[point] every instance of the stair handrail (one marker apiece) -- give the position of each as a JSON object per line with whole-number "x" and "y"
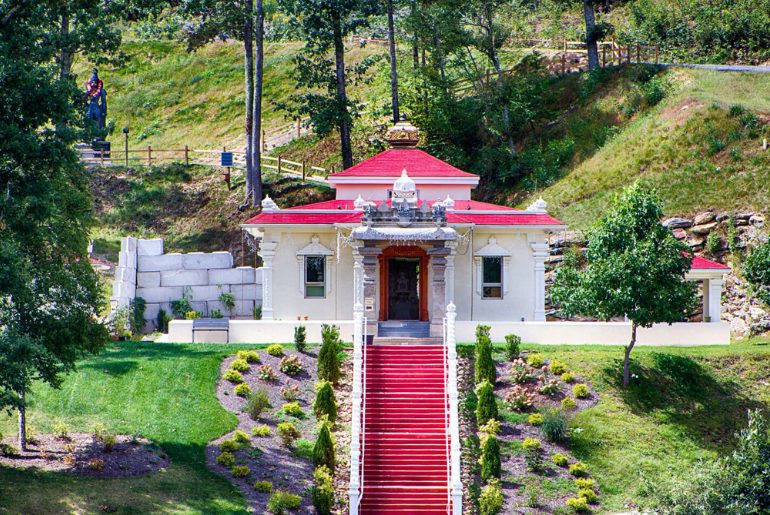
{"x": 355, "y": 487}
{"x": 455, "y": 484}
{"x": 447, "y": 417}
{"x": 363, "y": 411}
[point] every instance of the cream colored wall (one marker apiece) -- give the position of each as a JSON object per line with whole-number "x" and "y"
{"x": 380, "y": 191}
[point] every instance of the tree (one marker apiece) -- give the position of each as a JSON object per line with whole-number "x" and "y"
{"x": 393, "y": 67}
{"x": 323, "y": 452}
{"x": 328, "y": 360}
{"x": 484, "y": 368}
{"x": 634, "y": 268}
{"x": 50, "y": 294}
{"x": 486, "y": 409}
{"x": 592, "y": 34}
{"x": 325, "y": 402}
{"x": 490, "y": 458}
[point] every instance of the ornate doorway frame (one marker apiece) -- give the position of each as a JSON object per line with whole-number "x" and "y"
{"x": 407, "y": 251}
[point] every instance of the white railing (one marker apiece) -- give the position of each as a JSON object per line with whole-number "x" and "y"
{"x": 447, "y": 410}
{"x": 455, "y": 484}
{"x": 355, "y": 489}
{"x": 363, "y": 413}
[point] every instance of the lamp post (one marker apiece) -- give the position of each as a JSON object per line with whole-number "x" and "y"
{"x": 125, "y": 134}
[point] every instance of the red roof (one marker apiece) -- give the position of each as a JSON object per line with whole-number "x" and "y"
{"x": 289, "y": 218}
{"x": 455, "y": 217}
{"x": 460, "y": 205}
{"x": 701, "y": 263}
{"x": 391, "y": 162}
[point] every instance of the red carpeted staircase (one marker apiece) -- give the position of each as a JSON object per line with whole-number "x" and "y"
{"x": 405, "y": 440}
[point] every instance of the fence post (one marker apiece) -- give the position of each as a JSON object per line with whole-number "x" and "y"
{"x": 299, "y": 128}
{"x": 604, "y": 56}
{"x": 279, "y": 164}
{"x": 186, "y": 155}
{"x": 303, "y": 170}
{"x": 149, "y": 155}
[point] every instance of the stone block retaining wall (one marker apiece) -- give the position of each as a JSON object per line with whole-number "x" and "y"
{"x": 145, "y": 271}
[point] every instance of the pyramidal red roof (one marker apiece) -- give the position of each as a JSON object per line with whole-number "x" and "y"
{"x": 391, "y": 162}
{"x": 701, "y": 263}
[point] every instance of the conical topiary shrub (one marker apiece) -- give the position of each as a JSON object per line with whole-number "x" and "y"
{"x": 485, "y": 366}
{"x": 486, "y": 408}
{"x": 490, "y": 458}
{"x": 328, "y": 360}
{"x": 323, "y": 452}
{"x": 325, "y": 402}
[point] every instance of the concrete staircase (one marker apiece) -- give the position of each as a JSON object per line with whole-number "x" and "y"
{"x": 405, "y": 453}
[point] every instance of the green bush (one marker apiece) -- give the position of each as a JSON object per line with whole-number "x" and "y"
{"x": 549, "y": 388}
{"x": 535, "y": 419}
{"x": 300, "y": 337}
{"x": 486, "y": 408}
{"x": 581, "y": 391}
{"x": 483, "y": 332}
{"x": 240, "y": 470}
{"x": 490, "y": 458}
{"x": 288, "y": 433}
{"x": 275, "y": 350}
{"x": 249, "y": 356}
{"x": 557, "y": 367}
{"x": 331, "y": 333}
{"x": 60, "y": 430}
{"x": 260, "y": 431}
{"x": 521, "y": 373}
{"x": 568, "y": 377}
{"x": 138, "y": 307}
{"x": 577, "y": 504}
{"x": 588, "y": 494}
{"x": 584, "y": 482}
{"x": 323, "y": 491}
{"x": 290, "y": 392}
{"x": 229, "y": 446}
{"x": 555, "y": 425}
{"x": 491, "y": 499}
{"x": 325, "y": 404}
{"x": 242, "y": 390}
{"x": 258, "y": 312}
{"x": 560, "y": 460}
{"x": 259, "y": 401}
{"x": 192, "y": 315}
{"x": 181, "y": 307}
{"x": 228, "y": 300}
{"x": 756, "y": 269}
{"x": 233, "y": 376}
{"x": 226, "y": 459}
{"x": 163, "y": 320}
{"x": 484, "y": 368}
{"x": 535, "y": 360}
{"x": 266, "y": 373}
{"x": 713, "y": 243}
{"x": 323, "y": 451}
{"x": 492, "y": 427}
{"x": 533, "y": 454}
{"x": 215, "y": 313}
{"x": 293, "y": 409}
{"x": 568, "y": 404}
{"x": 241, "y": 437}
{"x": 578, "y": 469}
{"x": 281, "y": 502}
{"x": 290, "y": 365}
{"x": 328, "y": 360}
{"x": 109, "y": 441}
{"x": 519, "y": 399}
{"x": 512, "y": 346}
{"x": 264, "y": 487}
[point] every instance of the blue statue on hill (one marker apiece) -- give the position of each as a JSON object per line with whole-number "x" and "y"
{"x": 96, "y": 100}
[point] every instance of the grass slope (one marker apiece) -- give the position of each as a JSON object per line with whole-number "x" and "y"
{"x": 165, "y": 393}
{"x": 690, "y": 147}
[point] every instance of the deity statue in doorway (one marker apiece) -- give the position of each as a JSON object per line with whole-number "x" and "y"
{"x": 96, "y": 100}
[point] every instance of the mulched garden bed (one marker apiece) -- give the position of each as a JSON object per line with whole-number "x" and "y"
{"x": 523, "y": 489}
{"x": 266, "y": 457}
{"x": 83, "y": 454}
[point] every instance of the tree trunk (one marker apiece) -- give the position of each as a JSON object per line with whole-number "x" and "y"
{"x": 256, "y": 140}
{"x": 22, "y": 423}
{"x": 65, "y": 54}
{"x": 393, "y": 68}
{"x": 492, "y": 53}
{"x": 627, "y": 358}
{"x": 248, "y": 57}
{"x": 593, "y": 49}
{"x": 342, "y": 98}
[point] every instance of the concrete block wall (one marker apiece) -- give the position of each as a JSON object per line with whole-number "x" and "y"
{"x": 145, "y": 271}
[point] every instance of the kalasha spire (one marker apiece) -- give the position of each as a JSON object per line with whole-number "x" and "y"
{"x": 403, "y": 134}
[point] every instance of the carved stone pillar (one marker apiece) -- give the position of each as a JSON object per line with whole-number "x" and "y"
{"x": 450, "y": 273}
{"x": 539, "y": 253}
{"x": 267, "y": 253}
{"x": 438, "y": 288}
{"x": 370, "y": 254}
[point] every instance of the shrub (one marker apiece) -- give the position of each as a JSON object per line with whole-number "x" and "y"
{"x": 96, "y": 464}
{"x": 228, "y": 300}
{"x": 249, "y": 356}
{"x": 275, "y": 350}
{"x": 323, "y": 491}
{"x": 233, "y": 376}
{"x": 266, "y": 373}
{"x": 288, "y": 433}
{"x": 568, "y": 404}
{"x": 226, "y": 459}
{"x": 293, "y": 409}
{"x": 577, "y": 504}
{"x": 258, "y": 312}
{"x": 549, "y": 388}
{"x": 328, "y": 360}
{"x": 581, "y": 391}
{"x": 492, "y": 427}
{"x": 490, "y": 458}
{"x": 535, "y": 419}
{"x": 192, "y": 315}
{"x": 242, "y": 390}
{"x": 568, "y": 377}
{"x": 512, "y": 344}
{"x": 533, "y": 454}
{"x": 325, "y": 404}
{"x": 181, "y": 307}
{"x": 713, "y": 243}
{"x": 290, "y": 392}
{"x": 300, "y": 337}
{"x": 241, "y": 437}
{"x": 323, "y": 452}
{"x": 521, "y": 373}
{"x": 229, "y": 446}
{"x": 240, "y": 470}
{"x": 519, "y": 399}
{"x": 330, "y": 333}
{"x": 98, "y": 430}
{"x": 531, "y": 443}
{"x": 215, "y": 313}
{"x": 560, "y": 460}
{"x": 260, "y": 431}
{"x": 109, "y": 441}
{"x": 584, "y": 482}
{"x": 60, "y": 430}
{"x": 554, "y": 426}
{"x": 483, "y": 331}
{"x": 491, "y": 499}
{"x": 264, "y": 487}
{"x": 578, "y": 469}
{"x": 484, "y": 368}
{"x": 756, "y": 269}
{"x": 138, "y": 307}
{"x": 486, "y": 408}
{"x": 588, "y": 494}
{"x": 281, "y": 502}
{"x": 259, "y": 401}
{"x": 535, "y": 360}
{"x": 557, "y": 367}
{"x": 290, "y": 365}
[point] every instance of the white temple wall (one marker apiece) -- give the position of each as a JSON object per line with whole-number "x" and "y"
{"x": 380, "y": 191}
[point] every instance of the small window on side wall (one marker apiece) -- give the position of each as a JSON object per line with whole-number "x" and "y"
{"x": 492, "y": 277}
{"x": 315, "y": 276}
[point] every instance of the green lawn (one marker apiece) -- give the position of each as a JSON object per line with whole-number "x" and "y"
{"x": 164, "y": 392}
